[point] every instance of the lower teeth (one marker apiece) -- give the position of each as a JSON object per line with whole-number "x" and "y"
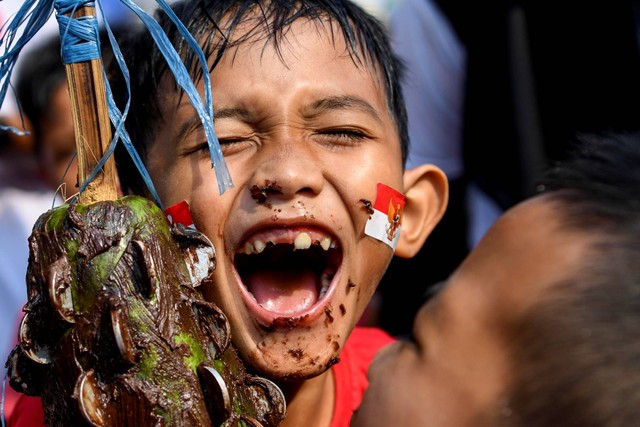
{"x": 325, "y": 280}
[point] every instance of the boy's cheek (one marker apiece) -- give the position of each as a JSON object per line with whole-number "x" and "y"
{"x": 371, "y": 263}
{"x": 208, "y": 221}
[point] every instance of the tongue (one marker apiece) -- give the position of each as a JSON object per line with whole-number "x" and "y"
{"x": 284, "y": 292}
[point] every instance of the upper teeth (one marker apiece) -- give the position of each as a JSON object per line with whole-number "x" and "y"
{"x": 259, "y": 246}
{"x": 302, "y": 241}
{"x": 325, "y": 243}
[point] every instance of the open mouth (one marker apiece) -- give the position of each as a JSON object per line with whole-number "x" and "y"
{"x": 290, "y": 273}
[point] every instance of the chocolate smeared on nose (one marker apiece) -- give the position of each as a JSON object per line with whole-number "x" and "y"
{"x": 261, "y": 193}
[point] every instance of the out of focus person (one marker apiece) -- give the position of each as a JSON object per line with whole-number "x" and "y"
{"x": 43, "y": 96}
{"x": 32, "y": 172}
{"x": 539, "y": 325}
{"x": 495, "y": 93}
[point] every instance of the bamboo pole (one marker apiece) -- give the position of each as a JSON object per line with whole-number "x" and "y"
{"x": 91, "y": 125}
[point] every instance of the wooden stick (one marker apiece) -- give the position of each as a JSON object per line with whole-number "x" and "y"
{"x": 92, "y": 125}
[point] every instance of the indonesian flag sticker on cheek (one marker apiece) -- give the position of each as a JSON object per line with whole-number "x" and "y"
{"x": 384, "y": 223}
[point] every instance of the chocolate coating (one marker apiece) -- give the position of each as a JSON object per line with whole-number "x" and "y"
{"x": 116, "y": 333}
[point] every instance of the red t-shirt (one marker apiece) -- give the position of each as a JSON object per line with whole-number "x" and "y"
{"x": 350, "y": 376}
{"x": 350, "y": 373}
{"x": 22, "y": 410}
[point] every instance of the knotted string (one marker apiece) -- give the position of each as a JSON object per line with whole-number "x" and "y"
{"x": 81, "y": 42}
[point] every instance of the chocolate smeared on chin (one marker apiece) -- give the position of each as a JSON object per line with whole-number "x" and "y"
{"x": 116, "y": 333}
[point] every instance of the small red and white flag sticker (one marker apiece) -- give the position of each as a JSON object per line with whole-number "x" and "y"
{"x": 384, "y": 223}
{"x": 181, "y": 214}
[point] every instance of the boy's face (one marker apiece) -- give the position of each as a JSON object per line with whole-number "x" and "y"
{"x": 305, "y": 141}
{"x": 455, "y": 372}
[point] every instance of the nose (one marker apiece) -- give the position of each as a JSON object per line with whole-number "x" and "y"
{"x": 286, "y": 171}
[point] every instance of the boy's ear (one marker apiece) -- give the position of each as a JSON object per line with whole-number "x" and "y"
{"x": 426, "y": 191}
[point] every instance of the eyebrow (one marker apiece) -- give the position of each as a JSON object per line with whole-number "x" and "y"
{"x": 225, "y": 113}
{"x": 342, "y": 103}
{"x": 318, "y": 107}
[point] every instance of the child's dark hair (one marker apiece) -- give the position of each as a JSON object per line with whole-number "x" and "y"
{"x": 577, "y": 353}
{"x": 211, "y": 22}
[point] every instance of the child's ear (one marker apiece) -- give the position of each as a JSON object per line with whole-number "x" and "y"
{"x": 426, "y": 190}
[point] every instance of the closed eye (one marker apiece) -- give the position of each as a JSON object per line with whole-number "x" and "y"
{"x": 343, "y": 137}
{"x": 227, "y": 145}
{"x": 231, "y": 145}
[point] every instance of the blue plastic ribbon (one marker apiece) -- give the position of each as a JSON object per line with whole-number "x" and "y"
{"x": 27, "y": 22}
{"x": 81, "y": 42}
{"x": 205, "y": 111}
